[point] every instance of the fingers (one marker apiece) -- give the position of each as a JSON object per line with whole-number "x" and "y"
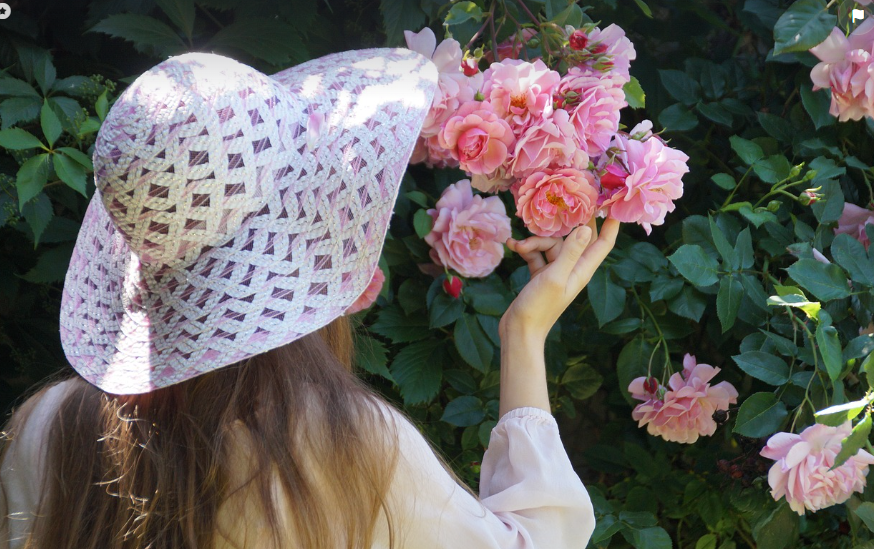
{"x": 574, "y": 246}
{"x": 594, "y": 255}
{"x": 530, "y": 250}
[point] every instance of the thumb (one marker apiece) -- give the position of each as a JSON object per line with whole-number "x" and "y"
{"x": 571, "y": 250}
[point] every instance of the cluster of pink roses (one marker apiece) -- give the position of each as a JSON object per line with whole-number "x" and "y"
{"x": 847, "y": 69}
{"x": 682, "y": 411}
{"x": 552, "y": 140}
{"x": 853, "y": 221}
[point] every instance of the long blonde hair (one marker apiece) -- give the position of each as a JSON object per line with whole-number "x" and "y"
{"x": 151, "y": 471}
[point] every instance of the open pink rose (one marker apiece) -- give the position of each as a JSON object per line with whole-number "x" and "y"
{"x": 550, "y": 143}
{"x": 553, "y": 202}
{"x": 653, "y": 175}
{"x": 853, "y": 221}
{"x": 453, "y": 86}
{"x": 802, "y": 473}
{"x": 519, "y": 91}
{"x": 847, "y": 69}
{"x": 594, "y": 103}
{"x": 477, "y": 137}
{"x": 429, "y": 152}
{"x": 610, "y": 52}
{"x": 370, "y": 294}
{"x": 684, "y": 411}
{"x": 469, "y": 231}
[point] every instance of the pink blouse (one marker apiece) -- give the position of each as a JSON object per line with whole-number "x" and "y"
{"x": 530, "y": 496}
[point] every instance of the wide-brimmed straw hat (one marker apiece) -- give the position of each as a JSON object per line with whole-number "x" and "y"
{"x": 235, "y": 212}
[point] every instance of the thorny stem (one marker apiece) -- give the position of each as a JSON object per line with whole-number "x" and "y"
{"x": 490, "y": 14}
{"x": 526, "y": 10}
{"x": 736, "y": 187}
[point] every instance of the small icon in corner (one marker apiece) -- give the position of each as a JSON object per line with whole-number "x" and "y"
{"x": 5, "y": 11}
{"x": 858, "y": 14}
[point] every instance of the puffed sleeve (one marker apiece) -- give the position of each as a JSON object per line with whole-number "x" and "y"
{"x": 530, "y": 496}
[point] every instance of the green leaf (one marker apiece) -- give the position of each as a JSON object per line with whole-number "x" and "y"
{"x": 695, "y": 265}
{"x": 773, "y": 169}
{"x": 142, "y": 30}
{"x": 398, "y": 16}
{"x": 804, "y": 25}
{"x": 865, "y": 511}
{"x": 677, "y": 118}
{"x": 689, "y": 303}
{"x": 859, "y": 347}
{"x": 16, "y": 139}
{"x": 835, "y": 416}
{"x": 654, "y": 537}
{"x": 444, "y": 310}
{"x": 776, "y": 530}
{"x": 582, "y": 381}
{"x": 486, "y": 298}
{"x": 72, "y": 85}
{"x": 760, "y": 415}
{"x": 850, "y": 254}
{"x": 71, "y": 173}
{"x": 728, "y": 301}
{"x": 680, "y": 86}
{"x": 851, "y": 445}
{"x": 78, "y": 156}
{"x": 632, "y": 363}
{"x": 757, "y": 217}
{"x": 44, "y": 71}
{"x": 16, "y": 110}
{"x": 463, "y": 11}
{"x": 418, "y": 197}
{"x": 17, "y": 88}
{"x": 826, "y": 282}
{"x": 743, "y": 249}
{"x": 624, "y": 325}
{"x": 868, "y": 367}
{"x": 571, "y": 15}
{"x": 777, "y": 127}
{"x": 817, "y": 104}
{"x": 51, "y": 265}
{"x": 272, "y": 40}
{"x": 724, "y": 181}
{"x": 644, "y": 8}
{"x": 830, "y": 347}
{"x": 38, "y": 213}
{"x": 747, "y": 150}
{"x": 707, "y": 541}
{"x": 392, "y": 323}
{"x": 634, "y": 95}
{"x": 423, "y": 223}
{"x": 664, "y": 287}
{"x": 716, "y": 112}
{"x": 418, "y": 371}
{"x": 722, "y": 246}
{"x": 764, "y": 366}
{"x": 181, "y": 12}
{"x": 32, "y": 177}
{"x": 472, "y": 343}
{"x": 372, "y": 356}
{"x": 810, "y": 308}
{"x": 102, "y": 106}
{"x": 464, "y": 411}
{"x": 606, "y": 297}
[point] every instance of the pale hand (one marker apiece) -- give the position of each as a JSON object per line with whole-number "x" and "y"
{"x": 557, "y": 280}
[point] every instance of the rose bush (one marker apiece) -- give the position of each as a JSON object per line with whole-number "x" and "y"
{"x": 747, "y": 200}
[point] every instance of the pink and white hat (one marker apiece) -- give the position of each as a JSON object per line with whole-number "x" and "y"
{"x": 236, "y": 212}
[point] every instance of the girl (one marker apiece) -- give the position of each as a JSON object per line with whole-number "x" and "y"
{"x": 237, "y": 216}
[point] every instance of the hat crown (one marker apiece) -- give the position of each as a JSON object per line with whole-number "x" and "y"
{"x": 187, "y": 154}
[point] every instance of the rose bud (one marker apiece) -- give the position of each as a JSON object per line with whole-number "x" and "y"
{"x": 578, "y": 40}
{"x": 651, "y": 385}
{"x": 469, "y": 66}
{"x": 452, "y": 286}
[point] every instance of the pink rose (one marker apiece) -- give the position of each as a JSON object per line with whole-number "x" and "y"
{"x": 511, "y": 47}
{"x": 853, "y": 221}
{"x": 652, "y": 174}
{"x": 846, "y": 68}
{"x": 685, "y": 411}
{"x": 429, "y": 152}
{"x": 477, "y": 138}
{"x": 469, "y": 231}
{"x": 553, "y": 202}
{"x": 453, "y": 86}
{"x": 594, "y": 104}
{"x": 550, "y": 143}
{"x": 519, "y": 91}
{"x": 802, "y": 474}
{"x": 609, "y": 51}
{"x": 370, "y": 294}
{"x": 493, "y": 183}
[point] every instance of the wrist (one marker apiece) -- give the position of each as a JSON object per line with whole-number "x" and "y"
{"x": 515, "y": 332}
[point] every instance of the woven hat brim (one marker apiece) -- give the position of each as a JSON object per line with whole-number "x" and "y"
{"x": 128, "y": 329}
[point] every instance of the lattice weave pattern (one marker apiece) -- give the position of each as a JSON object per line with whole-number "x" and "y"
{"x": 226, "y": 222}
